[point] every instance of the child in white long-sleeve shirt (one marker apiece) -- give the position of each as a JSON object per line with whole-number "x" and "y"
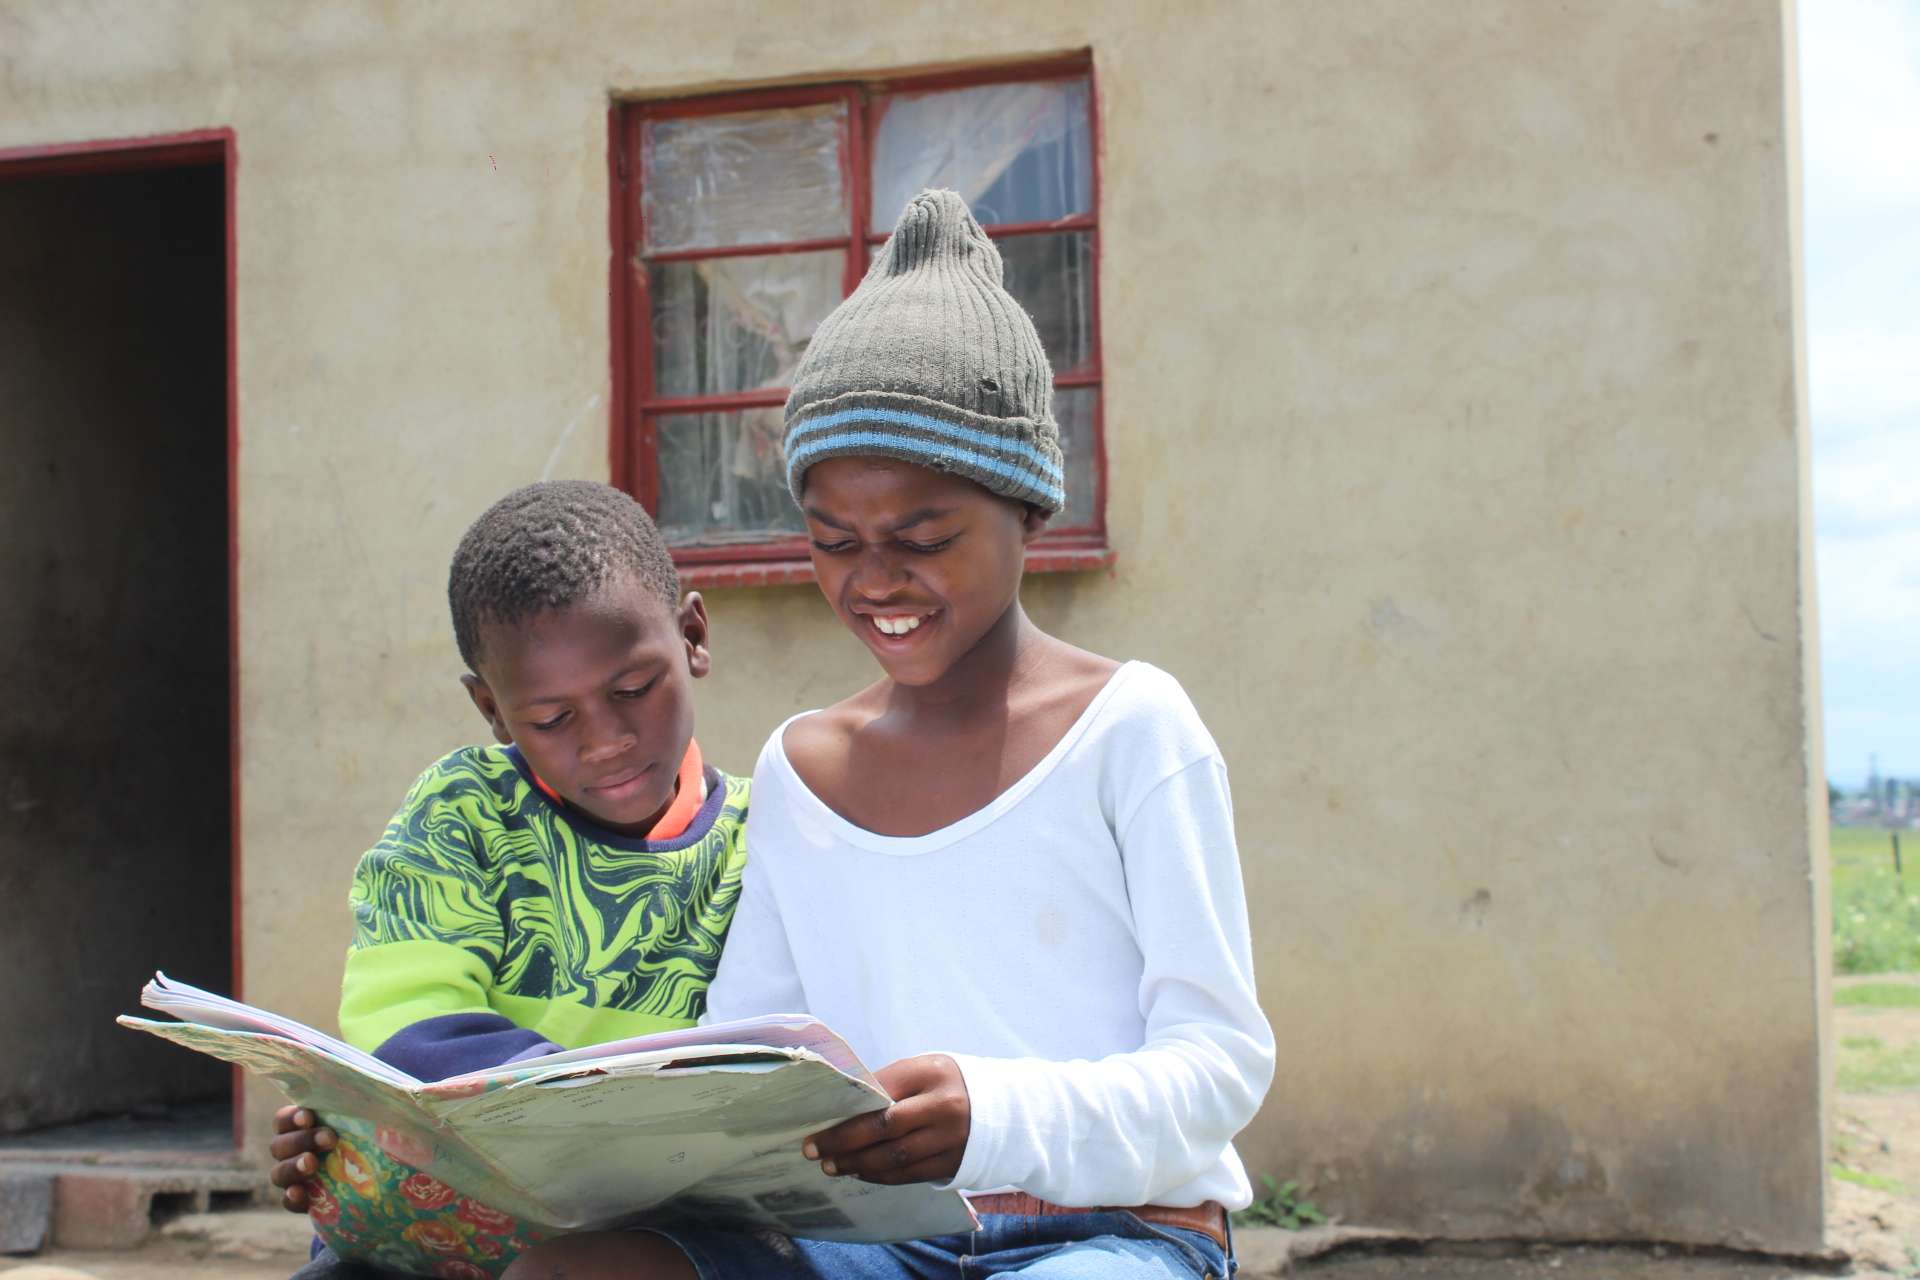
{"x": 1007, "y": 869}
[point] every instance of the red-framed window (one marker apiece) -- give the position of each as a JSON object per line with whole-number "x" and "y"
{"x": 740, "y": 220}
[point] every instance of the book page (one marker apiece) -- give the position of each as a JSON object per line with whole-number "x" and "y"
{"x": 683, "y": 1129}
{"x": 189, "y": 1003}
{"x": 615, "y": 1144}
{"x": 305, "y": 1074}
{"x": 776, "y": 1030}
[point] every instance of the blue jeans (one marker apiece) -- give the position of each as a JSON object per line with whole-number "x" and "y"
{"x": 1079, "y": 1246}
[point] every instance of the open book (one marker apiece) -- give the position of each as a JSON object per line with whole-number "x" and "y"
{"x": 702, "y": 1124}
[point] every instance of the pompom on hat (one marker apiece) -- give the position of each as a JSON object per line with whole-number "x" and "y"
{"x": 932, "y": 362}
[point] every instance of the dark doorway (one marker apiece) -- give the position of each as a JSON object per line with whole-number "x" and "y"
{"x": 115, "y": 657}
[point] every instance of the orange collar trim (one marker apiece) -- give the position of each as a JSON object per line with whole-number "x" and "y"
{"x": 688, "y": 796}
{"x": 690, "y": 792}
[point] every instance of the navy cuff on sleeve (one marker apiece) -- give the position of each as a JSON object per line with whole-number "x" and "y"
{"x": 456, "y": 1043}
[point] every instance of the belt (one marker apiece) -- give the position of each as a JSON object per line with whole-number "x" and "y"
{"x": 1208, "y": 1219}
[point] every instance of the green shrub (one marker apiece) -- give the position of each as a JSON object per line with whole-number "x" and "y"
{"x": 1876, "y": 914}
{"x": 1282, "y": 1206}
{"x": 1871, "y": 1181}
{"x": 1867, "y": 1065}
{"x": 1880, "y": 995}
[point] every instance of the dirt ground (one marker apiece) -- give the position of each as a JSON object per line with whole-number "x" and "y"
{"x": 176, "y": 1261}
{"x": 155, "y": 1262}
{"x": 1876, "y": 1137}
{"x": 1552, "y": 1264}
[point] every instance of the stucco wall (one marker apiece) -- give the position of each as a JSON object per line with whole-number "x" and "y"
{"x": 1456, "y": 469}
{"x": 113, "y": 622}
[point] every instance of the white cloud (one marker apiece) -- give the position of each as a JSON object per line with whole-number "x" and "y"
{"x": 1868, "y": 484}
{"x": 1870, "y": 594}
{"x": 1860, "y": 105}
{"x": 1869, "y": 615}
{"x": 1863, "y": 378}
{"x": 1860, "y": 85}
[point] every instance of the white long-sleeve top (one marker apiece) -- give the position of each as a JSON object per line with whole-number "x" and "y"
{"x": 1079, "y": 946}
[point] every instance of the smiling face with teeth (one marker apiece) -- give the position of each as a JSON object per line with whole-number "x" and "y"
{"x": 921, "y": 565}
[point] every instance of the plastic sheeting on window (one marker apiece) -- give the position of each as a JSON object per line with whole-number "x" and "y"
{"x": 723, "y": 476}
{"x": 1073, "y": 408}
{"x": 1016, "y": 152}
{"x": 737, "y": 324}
{"x": 754, "y": 177}
{"x": 1051, "y": 275}
{"x": 723, "y": 479}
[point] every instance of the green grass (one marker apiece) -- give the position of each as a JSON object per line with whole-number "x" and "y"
{"x": 1282, "y": 1206}
{"x": 1867, "y": 1065}
{"x": 1876, "y": 915}
{"x": 1872, "y": 1181}
{"x": 1879, "y": 995}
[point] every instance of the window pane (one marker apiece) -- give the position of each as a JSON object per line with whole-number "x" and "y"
{"x": 723, "y": 479}
{"x": 1052, "y": 277}
{"x": 756, "y": 177}
{"x": 736, "y": 324}
{"x": 1073, "y": 407}
{"x": 1017, "y": 152}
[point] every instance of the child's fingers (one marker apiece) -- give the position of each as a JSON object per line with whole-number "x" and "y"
{"x": 289, "y": 1173}
{"x": 288, "y": 1145}
{"x": 286, "y": 1120}
{"x": 849, "y": 1135}
{"x": 938, "y": 1169}
{"x": 927, "y": 1111}
{"x": 295, "y": 1198}
{"x": 888, "y": 1161}
{"x": 922, "y": 1137}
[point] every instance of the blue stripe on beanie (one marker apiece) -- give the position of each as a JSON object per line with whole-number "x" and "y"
{"x": 990, "y": 440}
{"x": 940, "y": 456}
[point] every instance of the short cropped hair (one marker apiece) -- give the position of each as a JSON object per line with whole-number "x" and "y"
{"x": 547, "y": 546}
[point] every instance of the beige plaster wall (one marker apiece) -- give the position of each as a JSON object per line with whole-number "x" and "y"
{"x": 1457, "y": 469}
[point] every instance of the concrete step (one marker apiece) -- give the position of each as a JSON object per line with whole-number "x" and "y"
{"x": 121, "y": 1206}
{"x": 26, "y": 1211}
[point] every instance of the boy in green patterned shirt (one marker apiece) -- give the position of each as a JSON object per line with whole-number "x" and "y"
{"x": 569, "y": 886}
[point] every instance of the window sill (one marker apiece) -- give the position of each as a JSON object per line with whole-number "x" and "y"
{"x": 778, "y": 573}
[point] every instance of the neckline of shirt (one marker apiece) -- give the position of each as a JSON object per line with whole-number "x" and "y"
{"x": 960, "y": 828}
{"x": 712, "y": 779}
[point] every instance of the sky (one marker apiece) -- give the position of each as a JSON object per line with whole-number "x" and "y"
{"x": 1860, "y": 132}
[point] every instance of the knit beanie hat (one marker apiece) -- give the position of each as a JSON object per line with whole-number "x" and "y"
{"x": 931, "y": 361}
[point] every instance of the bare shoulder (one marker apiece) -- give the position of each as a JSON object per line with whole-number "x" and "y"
{"x": 1090, "y": 668}
{"x": 1080, "y": 672}
{"x": 1074, "y": 678}
{"x": 814, "y": 742}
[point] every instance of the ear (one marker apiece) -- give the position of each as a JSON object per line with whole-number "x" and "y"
{"x": 1033, "y": 524}
{"x": 488, "y": 706}
{"x": 694, "y": 631}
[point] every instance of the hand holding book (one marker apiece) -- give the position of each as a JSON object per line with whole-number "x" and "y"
{"x": 705, "y": 1123}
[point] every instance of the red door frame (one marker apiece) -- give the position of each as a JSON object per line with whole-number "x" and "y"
{"x": 199, "y": 148}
